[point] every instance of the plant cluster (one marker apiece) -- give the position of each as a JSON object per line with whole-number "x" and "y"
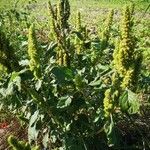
{"x": 65, "y": 91}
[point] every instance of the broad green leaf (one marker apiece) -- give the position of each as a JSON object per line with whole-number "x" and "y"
{"x": 62, "y": 73}
{"x": 95, "y": 83}
{"x": 32, "y": 133}
{"x": 124, "y": 101}
{"x": 38, "y": 84}
{"x": 78, "y": 34}
{"x": 24, "y": 43}
{"x": 111, "y": 132}
{"x": 50, "y": 49}
{"x": 129, "y": 102}
{"x": 102, "y": 67}
{"x": 33, "y": 118}
{"x": 46, "y": 139}
{"x": 13, "y": 76}
{"x": 74, "y": 144}
{"x": 59, "y": 74}
{"x": 98, "y": 116}
{"x": 64, "y": 102}
{"x": 24, "y": 62}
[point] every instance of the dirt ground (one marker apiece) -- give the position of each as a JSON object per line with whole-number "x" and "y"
{"x": 13, "y": 128}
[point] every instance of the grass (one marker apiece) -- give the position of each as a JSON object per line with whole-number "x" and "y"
{"x": 93, "y": 11}
{"x": 142, "y": 4}
{"x": 81, "y": 4}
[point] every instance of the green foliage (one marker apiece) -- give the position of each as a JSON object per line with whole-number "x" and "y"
{"x": 63, "y": 88}
{"x": 129, "y": 102}
{"x": 6, "y": 54}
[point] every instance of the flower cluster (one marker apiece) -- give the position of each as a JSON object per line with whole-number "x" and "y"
{"x": 33, "y": 53}
{"x": 106, "y": 31}
{"x": 78, "y": 21}
{"x": 125, "y": 54}
{"x": 110, "y": 99}
{"x": 60, "y": 28}
{"x": 62, "y": 58}
{"x": 108, "y": 102}
{"x": 78, "y": 42}
{"x": 63, "y": 13}
{"x": 82, "y": 35}
{"x": 59, "y": 18}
